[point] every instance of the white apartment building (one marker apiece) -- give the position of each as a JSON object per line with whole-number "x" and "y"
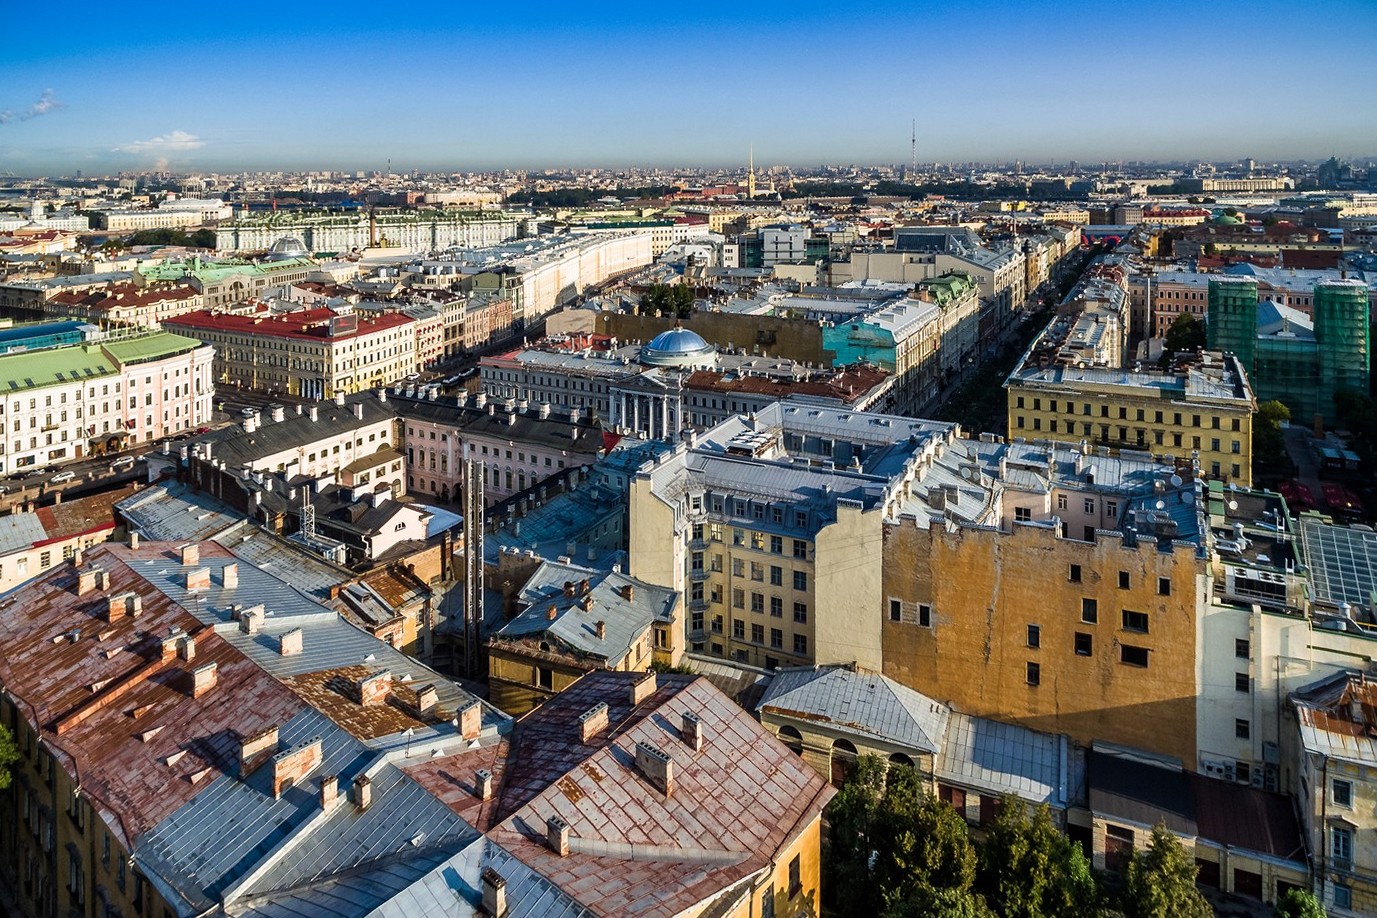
{"x": 127, "y": 221}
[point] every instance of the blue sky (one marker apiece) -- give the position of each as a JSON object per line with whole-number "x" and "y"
{"x": 464, "y": 86}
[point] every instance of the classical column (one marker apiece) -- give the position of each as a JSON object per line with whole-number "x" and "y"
{"x": 636, "y": 413}
{"x": 664, "y": 417}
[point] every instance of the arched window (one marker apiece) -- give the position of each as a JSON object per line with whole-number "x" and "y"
{"x": 899, "y": 758}
{"x": 791, "y": 738}
{"x": 843, "y": 761}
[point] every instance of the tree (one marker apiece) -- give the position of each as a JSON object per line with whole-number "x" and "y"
{"x": 1185, "y": 334}
{"x": 927, "y": 902}
{"x": 1269, "y": 443}
{"x": 1160, "y": 882}
{"x": 1298, "y": 903}
{"x": 851, "y": 817}
{"x": 1029, "y": 869}
{"x": 9, "y": 754}
{"x": 920, "y": 842}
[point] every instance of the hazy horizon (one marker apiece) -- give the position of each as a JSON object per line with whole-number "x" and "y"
{"x": 551, "y": 86}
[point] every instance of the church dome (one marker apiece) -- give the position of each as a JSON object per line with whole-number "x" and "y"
{"x": 288, "y": 247}
{"x": 678, "y": 347}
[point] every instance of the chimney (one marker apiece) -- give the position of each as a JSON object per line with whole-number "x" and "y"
{"x": 471, "y": 720}
{"x": 315, "y": 413}
{"x": 585, "y": 587}
{"x": 102, "y": 579}
{"x": 329, "y": 792}
{"x": 692, "y": 732}
{"x": 592, "y": 722}
{"x": 427, "y": 697}
{"x": 169, "y": 643}
{"x": 289, "y": 645}
{"x": 186, "y": 647}
{"x": 250, "y": 620}
{"x": 363, "y": 792}
{"x": 373, "y": 690}
{"x": 86, "y": 581}
{"x": 191, "y": 554}
{"x": 115, "y": 607}
{"x": 568, "y": 588}
{"x": 656, "y": 766}
{"x": 279, "y": 414}
{"x": 199, "y": 579}
{"x": 290, "y": 766}
{"x": 557, "y": 835}
{"x": 203, "y": 679}
{"x": 601, "y": 629}
{"x": 482, "y": 784}
{"x": 339, "y": 399}
{"x": 642, "y": 688}
{"x": 253, "y": 747}
{"x": 358, "y": 410}
{"x": 229, "y": 576}
{"x": 494, "y": 893}
{"x": 382, "y": 394}
{"x": 78, "y": 558}
{"x": 552, "y": 613}
{"x": 628, "y": 592}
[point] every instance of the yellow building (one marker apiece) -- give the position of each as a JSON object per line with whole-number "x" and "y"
{"x": 1200, "y": 410}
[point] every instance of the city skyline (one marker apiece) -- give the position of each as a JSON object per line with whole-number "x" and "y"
{"x": 551, "y": 86}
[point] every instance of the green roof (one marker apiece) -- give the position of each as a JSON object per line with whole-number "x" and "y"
{"x": 49, "y": 367}
{"x": 150, "y": 347}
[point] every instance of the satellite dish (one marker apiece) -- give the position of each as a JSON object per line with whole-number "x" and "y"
{"x": 1188, "y": 498}
{"x": 1176, "y": 481}
{"x": 1161, "y": 505}
{"x": 1233, "y": 505}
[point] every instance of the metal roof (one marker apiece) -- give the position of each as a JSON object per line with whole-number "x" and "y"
{"x": 1342, "y": 562}
{"x": 858, "y": 701}
{"x": 1003, "y": 758}
{"x": 19, "y": 531}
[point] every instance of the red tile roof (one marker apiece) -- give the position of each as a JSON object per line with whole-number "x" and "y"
{"x": 311, "y": 324}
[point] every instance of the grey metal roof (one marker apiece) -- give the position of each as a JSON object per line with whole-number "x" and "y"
{"x": 454, "y": 888}
{"x": 234, "y": 837}
{"x": 19, "y": 531}
{"x": 625, "y": 621}
{"x": 1342, "y": 562}
{"x": 173, "y": 512}
{"x": 348, "y": 895}
{"x": 1005, "y": 758}
{"x": 861, "y": 702}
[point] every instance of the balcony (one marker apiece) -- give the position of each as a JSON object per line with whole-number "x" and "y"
{"x": 698, "y": 575}
{"x": 698, "y": 605}
{"x": 697, "y": 544}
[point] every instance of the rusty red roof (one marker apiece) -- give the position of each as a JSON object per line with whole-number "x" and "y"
{"x": 305, "y": 323}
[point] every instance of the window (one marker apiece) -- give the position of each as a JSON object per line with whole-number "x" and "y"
{"x": 1242, "y": 729}
{"x": 1341, "y": 846}
{"x": 776, "y": 638}
{"x": 800, "y": 613}
{"x": 757, "y": 571}
{"x": 1343, "y": 793}
{"x": 757, "y": 634}
{"x": 800, "y": 549}
{"x": 1034, "y": 636}
{"x": 1034, "y": 674}
{"x": 1061, "y": 505}
{"x": 800, "y": 580}
{"x": 1085, "y": 644}
{"x": 1090, "y": 611}
{"x": 757, "y": 602}
{"x": 924, "y": 615}
{"x": 767, "y": 903}
{"x": 1343, "y": 896}
{"x": 776, "y": 607}
{"x": 795, "y": 878}
{"x": 1123, "y": 580}
{"x": 1075, "y": 575}
{"x": 800, "y": 644}
{"x": 776, "y": 575}
{"x": 739, "y": 630}
{"x": 1023, "y": 515}
{"x": 1089, "y": 505}
{"x": 1133, "y": 656}
{"x": 896, "y": 610}
{"x": 1163, "y": 586}
{"x": 1135, "y": 621}
{"x": 776, "y": 545}
{"x": 1241, "y": 648}
{"x": 738, "y": 599}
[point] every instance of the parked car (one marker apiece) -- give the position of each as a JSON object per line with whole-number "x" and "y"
{"x": 62, "y": 478}
{"x": 248, "y": 412}
{"x": 121, "y": 463}
{"x": 202, "y": 430}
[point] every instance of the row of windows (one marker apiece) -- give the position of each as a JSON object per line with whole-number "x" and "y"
{"x": 1214, "y": 421}
{"x": 1129, "y": 655}
{"x": 1074, "y": 575}
{"x": 800, "y": 641}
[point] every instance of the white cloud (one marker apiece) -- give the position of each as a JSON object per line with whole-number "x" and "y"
{"x": 46, "y": 103}
{"x": 172, "y": 142}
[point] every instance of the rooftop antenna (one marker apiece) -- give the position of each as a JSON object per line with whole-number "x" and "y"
{"x": 913, "y": 148}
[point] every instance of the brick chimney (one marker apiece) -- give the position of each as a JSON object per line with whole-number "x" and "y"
{"x": 552, "y": 613}
{"x": 557, "y": 835}
{"x": 363, "y": 792}
{"x": 329, "y": 792}
{"x": 656, "y": 766}
{"x": 692, "y": 731}
{"x": 642, "y": 688}
{"x": 372, "y": 691}
{"x": 86, "y": 581}
{"x": 102, "y": 579}
{"x": 254, "y": 747}
{"x": 427, "y": 697}
{"x": 568, "y": 588}
{"x": 482, "y": 784}
{"x": 191, "y": 554}
{"x": 292, "y": 765}
{"x": 585, "y": 587}
{"x": 198, "y": 579}
{"x": 289, "y": 644}
{"x": 592, "y": 722}
{"x": 229, "y": 576}
{"x": 494, "y": 893}
{"x": 601, "y": 629}
{"x": 186, "y": 647}
{"x": 134, "y": 540}
{"x": 628, "y": 592}
{"x": 250, "y": 620}
{"x": 471, "y": 720}
{"x": 203, "y": 679}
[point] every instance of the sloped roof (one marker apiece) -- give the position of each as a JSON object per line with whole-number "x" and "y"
{"x": 1001, "y": 758}
{"x": 858, "y": 701}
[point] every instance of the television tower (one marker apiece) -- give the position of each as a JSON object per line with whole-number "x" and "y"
{"x": 913, "y": 149}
